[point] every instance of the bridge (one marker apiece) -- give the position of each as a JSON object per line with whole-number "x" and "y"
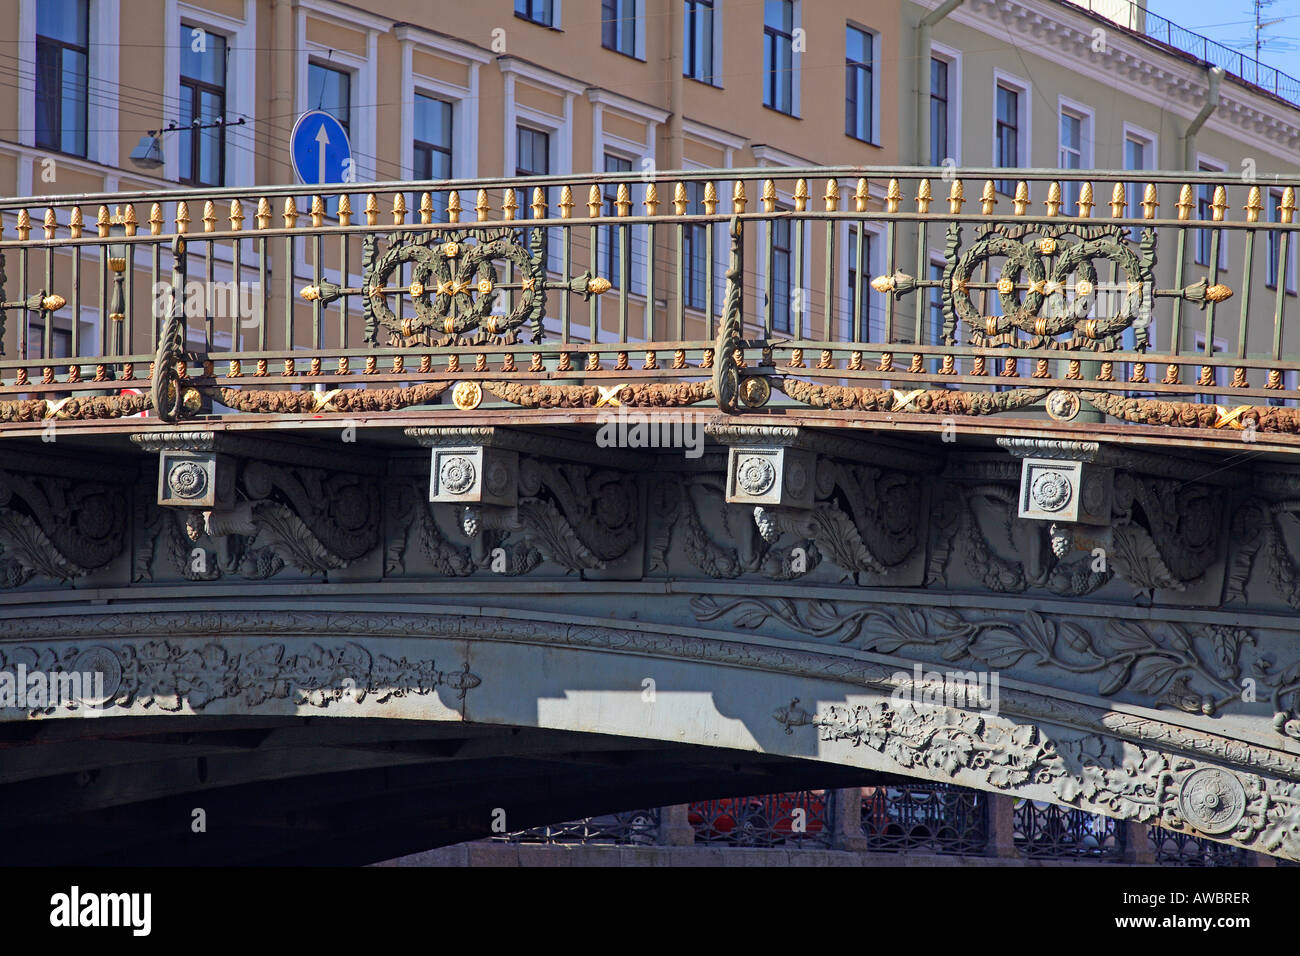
{"x": 339, "y": 541}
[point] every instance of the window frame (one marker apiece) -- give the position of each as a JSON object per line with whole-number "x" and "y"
{"x": 773, "y": 35}
{"x": 1087, "y": 119}
{"x": 714, "y": 45}
{"x": 875, "y": 235}
{"x": 612, "y": 25}
{"x": 62, "y": 46}
{"x": 553, "y": 23}
{"x": 873, "y": 106}
{"x": 1204, "y": 196}
{"x": 1150, "y": 157}
{"x": 1273, "y": 245}
{"x": 1024, "y": 132}
{"x": 953, "y": 58}
{"x": 198, "y": 86}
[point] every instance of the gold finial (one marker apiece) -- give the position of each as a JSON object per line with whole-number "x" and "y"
{"x": 236, "y": 215}
{"x": 183, "y": 216}
{"x": 426, "y": 208}
{"x": 102, "y": 221}
{"x": 1185, "y": 204}
{"x": 832, "y": 197}
{"x": 893, "y": 196}
{"x": 861, "y": 195}
{"x": 679, "y": 199}
{"x": 988, "y": 198}
{"x": 345, "y": 210}
{"x": 263, "y": 214}
{"x": 566, "y": 202}
{"x": 399, "y": 209}
{"x": 623, "y": 201}
{"x": 24, "y": 225}
{"x": 1020, "y": 203}
{"x": 956, "y": 196}
{"x": 209, "y": 216}
{"x": 710, "y": 199}
{"x": 481, "y": 206}
{"x": 372, "y": 209}
{"x": 1286, "y": 209}
{"x": 509, "y": 204}
{"x": 768, "y": 196}
{"x": 1117, "y": 201}
{"x": 651, "y": 201}
{"x": 75, "y": 223}
{"x": 1149, "y": 203}
{"x": 801, "y": 195}
{"x": 594, "y": 202}
{"x": 1253, "y": 205}
{"x": 1053, "y": 200}
{"x": 923, "y": 197}
{"x": 317, "y": 211}
{"x": 1085, "y": 201}
{"x": 290, "y": 214}
{"x": 129, "y": 220}
{"x": 52, "y": 223}
{"x": 1219, "y": 204}
{"x": 539, "y": 202}
{"x": 738, "y": 199}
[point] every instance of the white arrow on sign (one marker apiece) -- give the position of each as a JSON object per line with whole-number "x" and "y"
{"x": 323, "y": 139}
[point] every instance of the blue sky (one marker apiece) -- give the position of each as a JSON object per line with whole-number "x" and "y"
{"x": 1231, "y": 22}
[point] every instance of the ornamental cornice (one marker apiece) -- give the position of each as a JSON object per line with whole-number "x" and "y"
{"x": 1163, "y": 79}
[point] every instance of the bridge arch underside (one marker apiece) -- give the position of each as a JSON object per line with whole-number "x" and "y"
{"x": 362, "y": 728}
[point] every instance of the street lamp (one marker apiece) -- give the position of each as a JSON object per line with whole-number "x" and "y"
{"x": 148, "y": 153}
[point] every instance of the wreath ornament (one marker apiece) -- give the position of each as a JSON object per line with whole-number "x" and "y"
{"x": 453, "y": 286}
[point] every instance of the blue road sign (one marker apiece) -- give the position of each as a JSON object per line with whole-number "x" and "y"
{"x": 320, "y": 149}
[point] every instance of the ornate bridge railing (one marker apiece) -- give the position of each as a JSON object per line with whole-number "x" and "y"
{"x": 1158, "y": 300}
{"x": 926, "y": 817}
{"x": 1046, "y": 831}
{"x": 802, "y": 818}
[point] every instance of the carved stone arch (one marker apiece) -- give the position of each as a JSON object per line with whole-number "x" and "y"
{"x": 836, "y": 705}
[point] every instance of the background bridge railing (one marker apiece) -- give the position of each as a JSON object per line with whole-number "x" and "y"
{"x": 1152, "y": 296}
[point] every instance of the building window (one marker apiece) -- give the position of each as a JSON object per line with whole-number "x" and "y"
{"x": 431, "y": 145}
{"x": 780, "y": 267}
{"x": 538, "y": 11}
{"x": 1205, "y": 210}
{"x": 1274, "y": 255}
{"x": 532, "y": 152}
{"x": 938, "y": 112}
{"x": 618, "y": 24}
{"x": 330, "y": 90}
{"x": 860, "y": 310}
{"x": 203, "y": 101}
{"x": 858, "y": 93}
{"x": 695, "y": 249}
{"x": 611, "y": 258}
{"x": 697, "y": 40}
{"x": 1006, "y": 137}
{"x": 1071, "y": 155}
{"x": 62, "y": 68}
{"x": 778, "y": 55}
{"x": 934, "y": 330}
{"x": 1139, "y": 153}
{"x": 533, "y": 156}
